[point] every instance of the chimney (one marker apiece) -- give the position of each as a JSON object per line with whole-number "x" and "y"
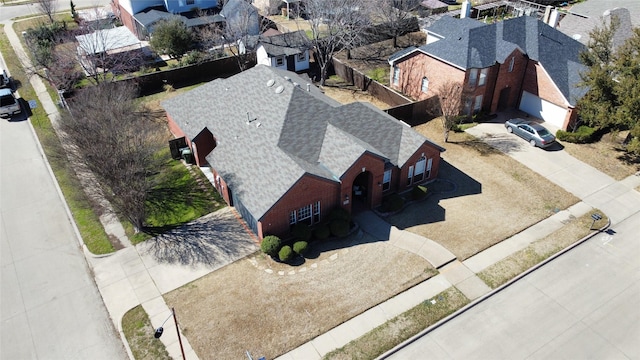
{"x": 465, "y": 10}
{"x": 554, "y": 18}
{"x": 547, "y": 13}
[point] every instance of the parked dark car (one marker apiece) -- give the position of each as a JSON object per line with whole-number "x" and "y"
{"x": 533, "y": 132}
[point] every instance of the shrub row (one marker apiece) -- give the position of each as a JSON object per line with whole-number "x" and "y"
{"x": 584, "y": 134}
{"x": 272, "y": 246}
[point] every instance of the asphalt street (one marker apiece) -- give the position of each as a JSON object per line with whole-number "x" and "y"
{"x": 9, "y": 11}
{"x": 581, "y": 305}
{"x": 50, "y": 307}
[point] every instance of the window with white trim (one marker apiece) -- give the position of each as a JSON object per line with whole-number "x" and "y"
{"x": 396, "y": 75}
{"x": 429, "y": 165}
{"x": 477, "y": 106}
{"x": 418, "y": 174}
{"x": 511, "y": 63}
{"x": 425, "y": 84}
{"x": 410, "y": 175}
{"x": 301, "y": 57}
{"x": 280, "y": 61}
{"x": 483, "y": 77}
{"x": 473, "y": 77}
{"x": 304, "y": 214}
{"x": 292, "y": 217}
{"x": 386, "y": 180}
{"x": 191, "y": 2}
{"x": 316, "y": 212}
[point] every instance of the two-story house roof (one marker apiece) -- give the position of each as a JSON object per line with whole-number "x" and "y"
{"x": 550, "y": 75}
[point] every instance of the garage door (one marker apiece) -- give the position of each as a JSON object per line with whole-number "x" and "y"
{"x": 535, "y": 106}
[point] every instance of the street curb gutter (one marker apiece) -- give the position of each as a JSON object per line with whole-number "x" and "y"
{"x": 491, "y": 293}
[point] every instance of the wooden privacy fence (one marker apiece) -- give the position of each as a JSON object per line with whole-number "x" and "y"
{"x": 400, "y": 106}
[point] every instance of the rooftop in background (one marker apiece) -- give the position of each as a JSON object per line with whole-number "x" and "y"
{"x": 585, "y": 16}
{"x": 107, "y": 40}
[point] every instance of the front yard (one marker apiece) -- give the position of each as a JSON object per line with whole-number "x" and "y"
{"x": 269, "y": 308}
{"x": 494, "y": 198}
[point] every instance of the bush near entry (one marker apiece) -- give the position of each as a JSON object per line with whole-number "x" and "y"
{"x": 419, "y": 192}
{"x": 270, "y": 245}
{"x": 339, "y": 227}
{"x": 300, "y": 247}
{"x": 285, "y": 253}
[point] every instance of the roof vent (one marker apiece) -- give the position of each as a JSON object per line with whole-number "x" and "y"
{"x": 287, "y": 78}
{"x": 308, "y": 87}
{"x": 258, "y": 125}
{"x": 270, "y": 82}
{"x": 279, "y": 89}
{"x": 296, "y": 84}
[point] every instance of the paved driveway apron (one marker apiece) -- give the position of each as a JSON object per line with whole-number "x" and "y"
{"x": 584, "y": 181}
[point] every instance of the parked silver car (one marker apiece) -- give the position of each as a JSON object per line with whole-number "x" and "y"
{"x": 533, "y": 132}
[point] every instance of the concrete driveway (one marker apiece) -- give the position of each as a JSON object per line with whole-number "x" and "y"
{"x": 584, "y": 181}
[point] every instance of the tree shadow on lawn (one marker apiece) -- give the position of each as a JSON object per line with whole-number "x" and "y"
{"x": 212, "y": 240}
{"x": 451, "y": 183}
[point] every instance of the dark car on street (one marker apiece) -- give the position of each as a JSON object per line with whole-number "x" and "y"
{"x": 534, "y": 133}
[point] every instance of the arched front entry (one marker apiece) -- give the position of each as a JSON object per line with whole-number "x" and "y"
{"x": 361, "y": 191}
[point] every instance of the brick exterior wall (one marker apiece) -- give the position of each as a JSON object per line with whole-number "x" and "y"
{"x": 527, "y": 75}
{"x": 509, "y": 81}
{"x": 419, "y": 65}
{"x": 124, "y": 16}
{"x": 374, "y": 166}
{"x": 429, "y": 153}
{"x": 308, "y": 190}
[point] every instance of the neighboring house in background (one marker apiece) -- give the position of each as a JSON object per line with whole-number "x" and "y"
{"x": 516, "y": 63}
{"x": 431, "y": 7}
{"x": 288, "y": 51}
{"x": 284, "y": 153}
{"x": 126, "y": 10}
{"x": 241, "y": 17}
{"x": 107, "y": 47}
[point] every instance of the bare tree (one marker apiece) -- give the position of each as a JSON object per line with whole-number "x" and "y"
{"x": 47, "y": 7}
{"x": 117, "y": 140}
{"x": 451, "y": 97}
{"x": 335, "y": 25}
{"x": 63, "y": 57}
{"x": 396, "y": 18}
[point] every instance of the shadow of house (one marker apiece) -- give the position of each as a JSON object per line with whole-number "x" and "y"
{"x": 456, "y": 184}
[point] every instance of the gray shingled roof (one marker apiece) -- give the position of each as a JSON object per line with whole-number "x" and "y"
{"x": 468, "y": 43}
{"x": 266, "y": 141}
{"x": 291, "y": 43}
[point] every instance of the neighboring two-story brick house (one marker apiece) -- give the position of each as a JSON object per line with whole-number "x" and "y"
{"x": 517, "y": 63}
{"x": 281, "y": 152}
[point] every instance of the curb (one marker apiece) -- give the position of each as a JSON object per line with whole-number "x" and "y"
{"x": 491, "y": 293}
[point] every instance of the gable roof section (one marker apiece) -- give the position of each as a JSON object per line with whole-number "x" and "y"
{"x": 291, "y": 43}
{"x": 270, "y": 131}
{"x": 468, "y": 43}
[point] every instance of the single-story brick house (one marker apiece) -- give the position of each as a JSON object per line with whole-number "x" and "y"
{"x": 281, "y": 152}
{"x": 516, "y": 63}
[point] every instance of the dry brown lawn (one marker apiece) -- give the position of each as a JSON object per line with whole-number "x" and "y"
{"x": 606, "y": 155}
{"x": 496, "y": 197}
{"x": 346, "y": 94}
{"x": 243, "y": 307}
{"x": 515, "y": 264}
